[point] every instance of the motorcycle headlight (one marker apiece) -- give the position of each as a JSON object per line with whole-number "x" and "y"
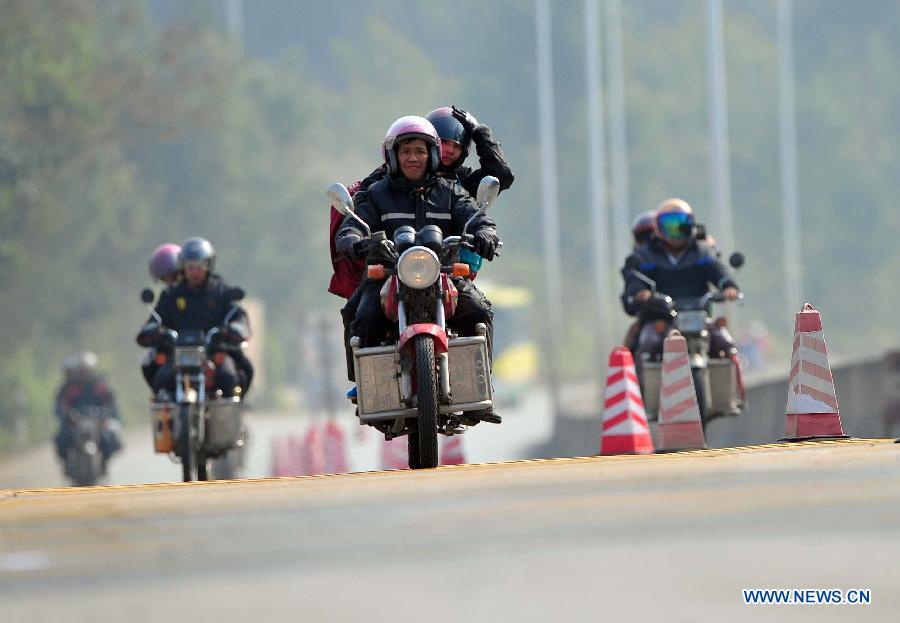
{"x": 418, "y": 267}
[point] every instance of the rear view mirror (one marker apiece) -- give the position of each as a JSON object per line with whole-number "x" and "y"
{"x": 488, "y": 189}
{"x": 340, "y": 198}
{"x": 147, "y": 295}
{"x": 736, "y": 260}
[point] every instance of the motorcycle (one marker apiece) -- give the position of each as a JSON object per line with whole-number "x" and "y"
{"x": 718, "y": 381}
{"x": 84, "y": 464}
{"x": 424, "y": 379}
{"x": 196, "y": 427}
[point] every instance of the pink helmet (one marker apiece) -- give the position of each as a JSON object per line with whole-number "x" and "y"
{"x": 164, "y": 261}
{"x": 411, "y": 126}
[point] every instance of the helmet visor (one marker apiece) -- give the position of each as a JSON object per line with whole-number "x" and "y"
{"x": 675, "y": 225}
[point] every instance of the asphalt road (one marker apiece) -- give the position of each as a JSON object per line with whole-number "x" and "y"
{"x": 672, "y": 537}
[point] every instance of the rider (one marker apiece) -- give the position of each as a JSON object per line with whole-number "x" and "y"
{"x": 83, "y": 388}
{"x": 200, "y": 301}
{"x": 458, "y": 129}
{"x": 642, "y": 229}
{"x": 414, "y": 195}
{"x": 682, "y": 266}
{"x": 163, "y": 266}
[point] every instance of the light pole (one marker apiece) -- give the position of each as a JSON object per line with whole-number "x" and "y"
{"x": 787, "y": 132}
{"x": 554, "y": 328}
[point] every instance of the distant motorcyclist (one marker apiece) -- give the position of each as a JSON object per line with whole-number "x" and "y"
{"x": 682, "y": 266}
{"x": 84, "y": 388}
{"x": 163, "y": 267}
{"x": 414, "y": 195}
{"x": 201, "y": 301}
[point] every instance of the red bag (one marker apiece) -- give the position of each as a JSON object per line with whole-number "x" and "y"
{"x": 348, "y": 274}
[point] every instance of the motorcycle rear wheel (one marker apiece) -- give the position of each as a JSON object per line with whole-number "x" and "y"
{"x": 428, "y": 399}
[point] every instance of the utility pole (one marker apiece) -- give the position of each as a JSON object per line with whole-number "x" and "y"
{"x": 618, "y": 141}
{"x": 787, "y": 132}
{"x": 597, "y": 180}
{"x": 722, "y": 227}
{"x": 554, "y": 333}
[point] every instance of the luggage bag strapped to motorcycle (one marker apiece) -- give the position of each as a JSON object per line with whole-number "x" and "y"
{"x": 223, "y": 424}
{"x": 378, "y": 377}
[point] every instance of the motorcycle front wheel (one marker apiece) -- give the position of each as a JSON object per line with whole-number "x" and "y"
{"x": 427, "y": 393}
{"x": 186, "y": 445}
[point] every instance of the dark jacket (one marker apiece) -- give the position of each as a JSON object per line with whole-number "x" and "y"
{"x": 182, "y": 308}
{"x": 83, "y": 394}
{"x": 491, "y": 161}
{"x": 691, "y": 276}
{"x": 393, "y": 202}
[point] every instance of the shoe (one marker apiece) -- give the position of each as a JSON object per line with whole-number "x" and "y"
{"x": 351, "y": 395}
{"x": 486, "y": 415}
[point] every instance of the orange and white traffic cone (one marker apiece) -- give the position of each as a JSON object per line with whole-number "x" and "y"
{"x": 452, "y": 452}
{"x": 395, "y": 454}
{"x": 335, "y": 449}
{"x": 812, "y": 410}
{"x": 625, "y": 428}
{"x": 313, "y": 452}
{"x": 680, "y": 426}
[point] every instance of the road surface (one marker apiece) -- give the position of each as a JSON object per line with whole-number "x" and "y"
{"x": 673, "y": 537}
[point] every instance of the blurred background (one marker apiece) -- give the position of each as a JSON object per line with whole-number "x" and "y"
{"x": 124, "y": 125}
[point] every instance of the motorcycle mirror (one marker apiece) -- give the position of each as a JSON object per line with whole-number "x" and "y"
{"x": 736, "y": 260}
{"x": 236, "y": 294}
{"x": 340, "y": 198}
{"x": 147, "y": 295}
{"x": 488, "y": 189}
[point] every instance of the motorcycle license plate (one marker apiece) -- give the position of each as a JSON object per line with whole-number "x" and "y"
{"x": 190, "y": 356}
{"x": 690, "y": 321}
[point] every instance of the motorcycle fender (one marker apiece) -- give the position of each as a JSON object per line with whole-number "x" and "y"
{"x": 698, "y": 361}
{"x": 440, "y": 336}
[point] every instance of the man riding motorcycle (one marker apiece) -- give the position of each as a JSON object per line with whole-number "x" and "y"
{"x": 200, "y": 301}
{"x": 682, "y": 266}
{"x": 82, "y": 389}
{"x": 414, "y": 195}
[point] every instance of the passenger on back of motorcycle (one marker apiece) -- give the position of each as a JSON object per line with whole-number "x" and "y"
{"x": 682, "y": 266}
{"x": 200, "y": 301}
{"x": 415, "y": 196}
{"x": 82, "y": 389}
{"x": 163, "y": 267}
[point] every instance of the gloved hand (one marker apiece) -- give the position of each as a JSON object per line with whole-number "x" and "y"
{"x": 467, "y": 119}
{"x": 353, "y": 246}
{"x": 485, "y": 241}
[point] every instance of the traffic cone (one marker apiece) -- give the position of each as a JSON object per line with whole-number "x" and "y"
{"x": 313, "y": 452}
{"x": 625, "y": 428}
{"x": 394, "y": 454}
{"x": 680, "y": 427}
{"x": 335, "y": 449}
{"x": 812, "y": 410}
{"x": 452, "y": 452}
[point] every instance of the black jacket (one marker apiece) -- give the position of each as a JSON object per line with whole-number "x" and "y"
{"x": 491, "y": 159}
{"x": 393, "y": 202}
{"x": 691, "y": 276}
{"x": 181, "y": 308}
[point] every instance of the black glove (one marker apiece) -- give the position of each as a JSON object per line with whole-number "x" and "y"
{"x": 485, "y": 241}
{"x": 467, "y": 119}
{"x": 353, "y": 246}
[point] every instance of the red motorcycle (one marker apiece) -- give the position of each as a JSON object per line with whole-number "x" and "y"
{"x": 424, "y": 379}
